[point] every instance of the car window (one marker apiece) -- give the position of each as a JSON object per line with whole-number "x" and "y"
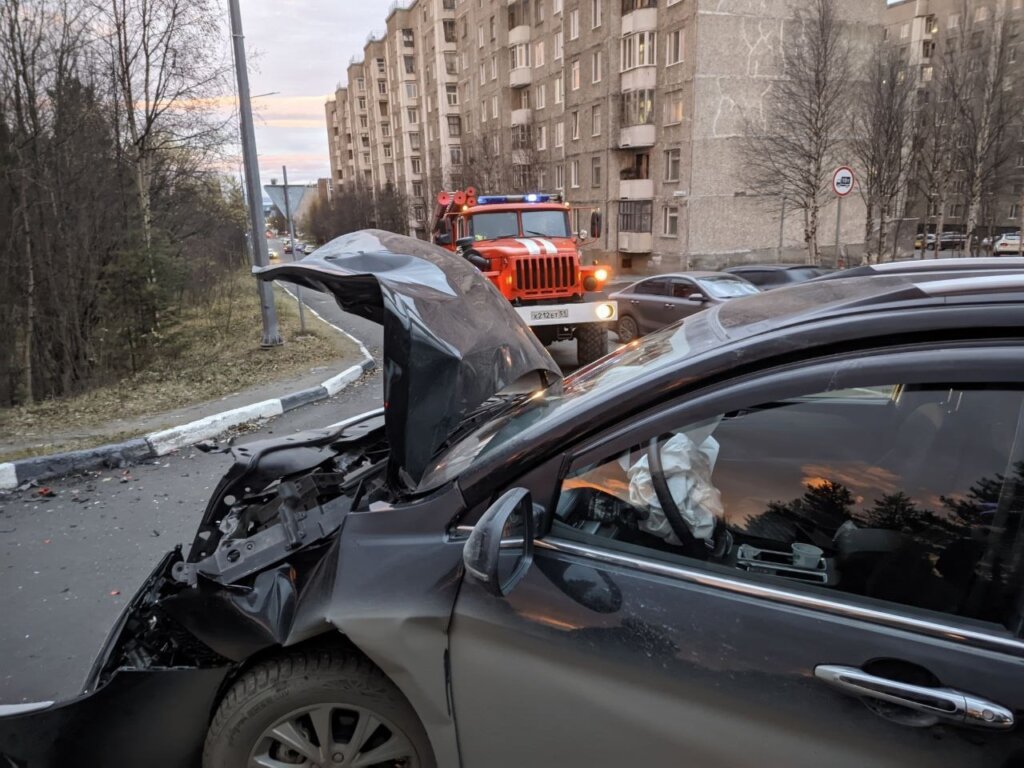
{"x": 491, "y": 226}
{"x": 726, "y": 287}
{"x": 655, "y": 287}
{"x": 907, "y": 494}
{"x": 682, "y": 289}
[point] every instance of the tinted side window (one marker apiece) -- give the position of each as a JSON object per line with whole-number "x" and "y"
{"x": 682, "y": 289}
{"x": 657, "y": 287}
{"x": 912, "y": 495}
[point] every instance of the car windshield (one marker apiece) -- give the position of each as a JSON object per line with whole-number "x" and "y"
{"x": 726, "y": 287}
{"x": 491, "y": 226}
{"x": 627, "y": 363}
{"x": 545, "y": 224}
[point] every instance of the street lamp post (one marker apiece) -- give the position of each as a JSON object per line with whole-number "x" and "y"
{"x": 268, "y": 312}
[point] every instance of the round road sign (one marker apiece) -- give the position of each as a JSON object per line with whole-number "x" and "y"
{"x": 842, "y": 181}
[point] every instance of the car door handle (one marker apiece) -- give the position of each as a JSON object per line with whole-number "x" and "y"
{"x": 945, "y": 703}
{"x": 669, "y": 304}
{"x": 634, "y": 301}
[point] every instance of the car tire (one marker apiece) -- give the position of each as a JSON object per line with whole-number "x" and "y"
{"x": 345, "y": 692}
{"x": 591, "y": 343}
{"x": 627, "y": 329}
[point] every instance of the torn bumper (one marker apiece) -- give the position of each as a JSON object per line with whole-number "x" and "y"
{"x": 155, "y": 717}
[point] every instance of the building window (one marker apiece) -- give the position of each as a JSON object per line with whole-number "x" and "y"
{"x": 574, "y": 24}
{"x": 362, "y": 102}
{"x": 480, "y": 37}
{"x": 595, "y": 13}
{"x": 411, "y": 90}
{"x": 454, "y": 125}
{"x": 672, "y": 157}
{"x": 494, "y": 107}
{"x": 638, "y": 107}
{"x": 381, "y": 70}
{"x": 595, "y": 120}
{"x": 417, "y": 189}
{"x": 382, "y": 87}
{"x": 575, "y": 123}
{"x": 385, "y": 129}
{"x": 635, "y": 215}
{"x": 366, "y": 141}
{"x": 483, "y": 74}
{"x": 449, "y": 30}
{"x": 595, "y": 171}
{"x": 1014, "y": 212}
{"x": 638, "y": 50}
{"x": 574, "y": 173}
{"x": 521, "y": 99}
{"x": 542, "y": 93}
{"x": 674, "y": 45}
{"x": 455, "y": 152}
{"x": 596, "y": 62}
{"x": 559, "y": 176}
{"x": 559, "y": 133}
{"x": 558, "y": 45}
{"x": 538, "y": 53}
{"x": 417, "y": 165}
{"x": 414, "y": 142}
{"x": 496, "y": 144}
{"x": 412, "y": 115}
{"x": 574, "y": 75}
{"x": 494, "y": 67}
{"x": 542, "y": 137}
{"x": 494, "y": 28}
{"x": 521, "y": 137}
{"x": 519, "y": 56}
{"x": 559, "y": 87}
{"x": 670, "y": 221}
{"x": 360, "y": 84}
{"x": 674, "y": 108}
{"x": 451, "y": 93}
{"x": 387, "y": 150}
{"x": 451, "y": 64}
{"x": 981, "y": 14}
{"x": 364, "y": 121}
{"x": 410, "y": 64}
{"x": 556, "y": 7}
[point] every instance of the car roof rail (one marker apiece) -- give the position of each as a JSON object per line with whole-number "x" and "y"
{"x": 927, "y": 266}
{"x": 974, "y": 284}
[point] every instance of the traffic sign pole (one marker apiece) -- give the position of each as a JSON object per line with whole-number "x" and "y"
{"x": 839, "y": 219}
{"x": 842, "y": 185}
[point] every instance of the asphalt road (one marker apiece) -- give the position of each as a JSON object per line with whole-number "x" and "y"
{"x": 71, "y": 561}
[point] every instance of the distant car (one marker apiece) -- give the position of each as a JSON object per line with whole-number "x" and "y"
{"x": 655, "y": 302}
{"x": 309, "y": 248}
{"x": 922, "y": 240}
{"x": 768, "y": 276}
{"x": 287, "y": 247}
{"x": 274, "y": 255}
{"x": 1007, "y": 245}
{"x": 949, "y": 241}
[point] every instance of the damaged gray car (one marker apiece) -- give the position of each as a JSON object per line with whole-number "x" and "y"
{"x": 785, "y": 532}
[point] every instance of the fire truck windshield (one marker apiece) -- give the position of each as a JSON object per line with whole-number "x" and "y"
{"x": 545, "y": 224}
{"x": 491, "y": 226}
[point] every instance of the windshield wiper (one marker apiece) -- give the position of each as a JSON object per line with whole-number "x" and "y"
{"x": 539, "y": 234}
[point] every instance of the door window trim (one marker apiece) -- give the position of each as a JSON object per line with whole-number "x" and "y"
{"x": 939, "y": 629}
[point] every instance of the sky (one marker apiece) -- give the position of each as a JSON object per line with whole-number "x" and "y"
{"x": 301, "y": 48}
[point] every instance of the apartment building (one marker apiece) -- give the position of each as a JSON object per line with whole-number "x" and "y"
{"x": 633, "y": 109}
{"x": 925, "y": 31}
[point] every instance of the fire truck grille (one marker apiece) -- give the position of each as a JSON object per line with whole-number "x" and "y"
{"x": 545, "y": 273}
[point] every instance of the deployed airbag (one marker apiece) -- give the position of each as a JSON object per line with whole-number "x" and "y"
{"x": 451, "y": 340}
{"x": 688, "y": 460}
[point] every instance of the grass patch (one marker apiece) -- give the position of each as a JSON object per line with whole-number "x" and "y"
{"x": 207, "y": 353}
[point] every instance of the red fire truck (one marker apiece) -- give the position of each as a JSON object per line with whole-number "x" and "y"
{"x": 524, "y": 244}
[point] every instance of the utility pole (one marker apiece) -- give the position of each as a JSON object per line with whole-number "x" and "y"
{"x": 291, "y": 234}
{"x": 253, "y": 193}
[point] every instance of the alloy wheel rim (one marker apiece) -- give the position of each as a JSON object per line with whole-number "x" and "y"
{"x": 333, "y": 736}
{"x": 627, "y": 328}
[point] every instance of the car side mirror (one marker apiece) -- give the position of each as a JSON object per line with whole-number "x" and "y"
{"x": 443, "y": 239}
{"x": 499, "y": 551}
{"x": 465, "y": 242}
{"x": 697, "y": 297}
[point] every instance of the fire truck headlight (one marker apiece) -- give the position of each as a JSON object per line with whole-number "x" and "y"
{"x": 589, "y": 283}
{"x": 601, "y": 275}
{"x": 605, "y": 311}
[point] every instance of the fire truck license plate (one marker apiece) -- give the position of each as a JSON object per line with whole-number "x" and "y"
{"x": 550, "y": 314}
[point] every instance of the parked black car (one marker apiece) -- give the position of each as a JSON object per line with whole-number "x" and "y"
{"x": 768, "y": 276}
{"x": 655, "y": 302}
{"x": 786, "y": 532}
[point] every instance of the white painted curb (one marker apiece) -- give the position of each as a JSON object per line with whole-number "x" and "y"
{"x": 335, "y": 384}
{"x": 204, "y": 429}
{"x": 8, "y": 476}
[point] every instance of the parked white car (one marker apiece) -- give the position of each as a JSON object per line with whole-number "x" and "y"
{"x": 1007, "y": 245}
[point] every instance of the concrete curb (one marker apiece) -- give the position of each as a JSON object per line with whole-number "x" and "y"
{"x": 16, "y": 473}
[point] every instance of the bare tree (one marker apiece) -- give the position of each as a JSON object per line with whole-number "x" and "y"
{"x": 988, "y": 112}
{"x": 882, "y": 143}
{"x": 795, "y": 141}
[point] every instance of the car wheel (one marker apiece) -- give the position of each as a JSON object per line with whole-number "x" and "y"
{"x": 627, "y": 329}
{"x": 591, "y": 343}
{"x": 318, "y": 707}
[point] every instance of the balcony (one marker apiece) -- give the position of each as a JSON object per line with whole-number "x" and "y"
{"x": 636, "y": 189}
{"x": 521, "y": 77}
{"x": 519, "y": 35}
{"x": 635, "y": 136}
{"x": 636, "y": 242}
{"x": 638, "y": 79}
{"x": 640, "y": 20}
{"x": 521, "y": 116}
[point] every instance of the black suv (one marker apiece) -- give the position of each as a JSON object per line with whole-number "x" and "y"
{"x": 785, "y": 532}
{"x": 768, "y": 276}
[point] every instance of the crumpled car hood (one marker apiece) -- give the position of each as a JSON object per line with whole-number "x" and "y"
{"x": 451, "y": 340}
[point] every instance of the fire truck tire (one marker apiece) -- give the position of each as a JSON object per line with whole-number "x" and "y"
{"x": 591, "y": 343}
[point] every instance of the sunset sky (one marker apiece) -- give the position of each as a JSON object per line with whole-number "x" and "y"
{"x": 301, "y": 49}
